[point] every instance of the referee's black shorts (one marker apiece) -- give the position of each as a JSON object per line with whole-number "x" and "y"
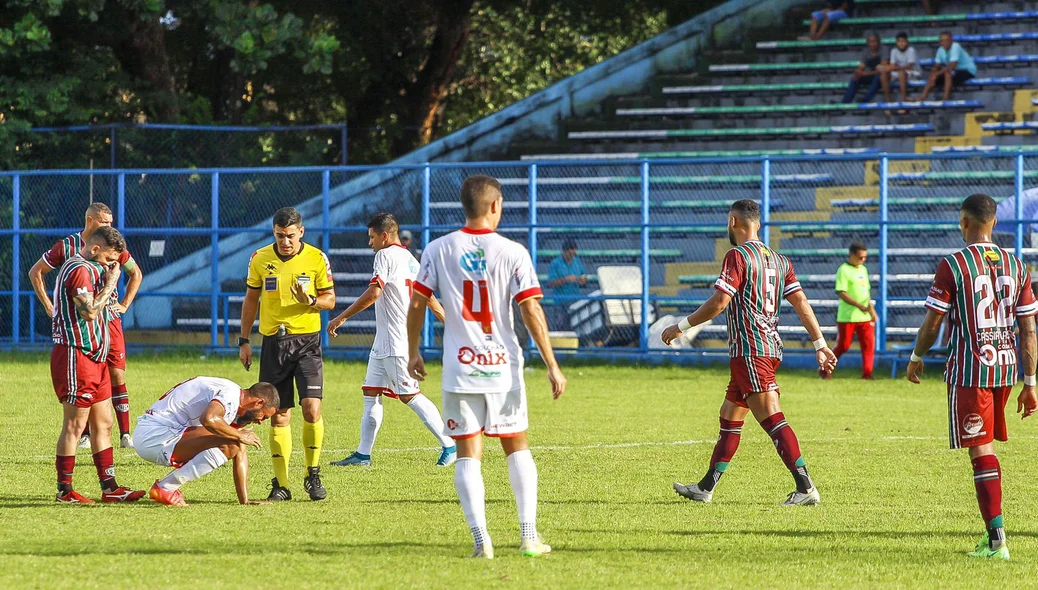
{"x": 295, "y": 357}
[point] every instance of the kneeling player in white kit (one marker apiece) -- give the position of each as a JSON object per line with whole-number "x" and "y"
{"x": 390, "y": 291}
{"x": 477, "y": 272}
{"x": 196, "y": 427}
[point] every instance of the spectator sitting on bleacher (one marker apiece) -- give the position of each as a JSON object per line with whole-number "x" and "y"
{"x": 821, "y": 19}
{"x": 868, "y": 71}
{"x": 905, "y": 63}
{"x": 566, "y": 275}
{"x": 952, "y": 65}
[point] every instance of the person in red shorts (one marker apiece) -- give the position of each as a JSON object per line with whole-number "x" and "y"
{"x": 988, "y": 290}
{"x": 78, "y": 362}
{"x": 754, "y": 278}
{"x": 98, "y": 215}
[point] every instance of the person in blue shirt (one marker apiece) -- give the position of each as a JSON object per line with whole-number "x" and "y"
{"x": 566, "y": 275}
{"x": 952, "y": 66}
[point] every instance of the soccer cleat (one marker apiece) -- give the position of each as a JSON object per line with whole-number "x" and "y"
{"x": 121, "y": 494}
{"x": 484, "y": 551}
{"x": 84, "y": 442}
{"x": 354, "y": 458}
{"x": 448, "y": 456}
{"x": 312, "y": 484}
{"x": 278, "y": 493}
{"x": 73, "y": 497}
{"x": 808, "y": 498}
{"x": 126, "y": 441}
{"x": 984, "y": 549}
{"x": 534, "y": 548}
{"x": 174, "y": 498}
{"x": 694, "y": 492}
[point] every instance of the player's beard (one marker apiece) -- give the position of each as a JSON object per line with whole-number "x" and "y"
{"x": 249, "y": 417}
{"x": 731, "y": 237}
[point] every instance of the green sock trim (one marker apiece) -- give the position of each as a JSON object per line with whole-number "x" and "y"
{"x": 720, "y": 466}
{"x": 799, "y": 462}
{"x": 996, "y": 523}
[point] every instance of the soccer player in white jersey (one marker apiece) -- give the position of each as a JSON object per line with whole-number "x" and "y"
{"x": 477, "y": 273}
{"x": 390, "y": 291}
{"x": 197, "y": 426}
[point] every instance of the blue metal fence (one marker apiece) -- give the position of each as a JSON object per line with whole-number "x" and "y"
{"x": 664, "y": 219}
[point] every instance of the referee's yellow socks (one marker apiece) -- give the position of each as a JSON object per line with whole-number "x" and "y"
{"x": 280, "y": 451}
{"x": 313, "y": 438}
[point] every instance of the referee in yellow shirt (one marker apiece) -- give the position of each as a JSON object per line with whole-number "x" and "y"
{"x": 293, "y": 280}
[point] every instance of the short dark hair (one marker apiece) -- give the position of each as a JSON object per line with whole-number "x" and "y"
{"x": 477, "y": 193}
{"x": 980, "y": 207}
{"x": 266, "y": 392}
{"x": 109, "y": 237}
{"x": 949, "y": 33}
{"x": 746, "y": 209}
{"x": 384, "y": 223}
{"x": 902, "y": 35}
{"x": 872, "y": 34}
{"x": 857, "y": 247}
{"x": 287, "y": 217}
{"x": 569, "y": 244}
{"x": 97, "y": 208}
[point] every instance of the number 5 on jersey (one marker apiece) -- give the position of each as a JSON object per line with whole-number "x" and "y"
{"x": 485, "y": 315}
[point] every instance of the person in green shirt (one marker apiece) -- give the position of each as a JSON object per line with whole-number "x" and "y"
{"x": 855, "y": 315}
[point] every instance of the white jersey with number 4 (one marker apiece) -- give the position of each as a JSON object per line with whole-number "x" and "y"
{"x": 395, "y": 271}
{"x": 476, "y": 274}
{"x": 184, "y": 405}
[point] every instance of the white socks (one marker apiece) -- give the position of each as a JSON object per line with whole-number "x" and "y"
{"x": 199, "y": 465}
{"x": 468, "y": 479}
{"x": 522, "y": 472}
{"x": 370, "y": 422}
{"x": 430, "y": 416}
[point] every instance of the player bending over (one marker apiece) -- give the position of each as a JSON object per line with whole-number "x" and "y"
{"x": 196, "y": 427}
{"x": 753, "y": 280}
{"x": 988, "y": 290}
{"x": 390, "y": 291}
{"x": 477, "y": 273}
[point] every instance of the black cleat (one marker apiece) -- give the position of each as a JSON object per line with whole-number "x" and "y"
{"x": 312, "y": 484}
{"x": 278, "y": 493}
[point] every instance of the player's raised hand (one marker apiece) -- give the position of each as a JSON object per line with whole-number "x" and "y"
{"x": 334, "y": 325}
{"x": 112, "y": 275}
{"x": 558, "y": 382}
{"x": 1027, "y": 403}
{"x": 670, "y": 334}
{"x": 826, "y": 359}
{"x": 915, "y": 371}
{"x": 250, "y": 438}
{"x": 299, "y": 292}
{"x": 416, "y": 367}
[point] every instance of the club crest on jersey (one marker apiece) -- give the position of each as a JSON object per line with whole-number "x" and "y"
{"x": 474, "y": 261}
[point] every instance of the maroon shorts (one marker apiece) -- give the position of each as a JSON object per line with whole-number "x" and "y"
{"x": 117, "y": 349}
{"x": 977, "y": 415}
{"x": 751, "y": 374}
{"x": 77, "y": 379}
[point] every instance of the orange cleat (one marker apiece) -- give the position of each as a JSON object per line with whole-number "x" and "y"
{"x": 166, "y": 497}
{"x": 73, "y": 497}
{"x": 122, "y": 494}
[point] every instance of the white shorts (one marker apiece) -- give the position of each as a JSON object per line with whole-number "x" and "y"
{"x": 155, "y": 442}
{"x": 388, "y": 376}
{"x": 495, "y": 414}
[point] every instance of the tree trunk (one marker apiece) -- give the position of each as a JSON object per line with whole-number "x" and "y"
{"x": 151, "y": 62}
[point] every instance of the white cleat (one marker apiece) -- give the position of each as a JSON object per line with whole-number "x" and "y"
{"x": 534, "y": 548}
{"x": 694, "y": 493}
{"x": 484, "y": 551}
{"x": 84, "y": 442}
{"x": 809, "y": 498}
{"x": 126, "y": 441}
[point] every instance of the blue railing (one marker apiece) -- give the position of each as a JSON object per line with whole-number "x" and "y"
{"x": 655, "y": 216}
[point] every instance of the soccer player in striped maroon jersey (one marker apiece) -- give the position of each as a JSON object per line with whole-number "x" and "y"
{"x": 989, "y": 291}
{"x": 97, "y": 215}
{"x": 754, "y": 279}
{"x": 78, "y": 362}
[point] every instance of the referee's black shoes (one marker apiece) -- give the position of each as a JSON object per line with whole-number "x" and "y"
{"x": 312, "y": 484}
{"x": 278, "y": 493}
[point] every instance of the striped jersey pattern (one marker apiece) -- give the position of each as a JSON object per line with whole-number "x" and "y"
{"x": 757, "y": 278}
{"x": 985, "y": 288}
{"x": 68, "y": 247}
{"x": 76, "y": 276}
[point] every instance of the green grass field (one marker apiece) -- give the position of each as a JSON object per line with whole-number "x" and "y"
{"x": 898, "y": 506}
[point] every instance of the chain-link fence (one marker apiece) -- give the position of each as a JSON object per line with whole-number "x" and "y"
{"x": 622, "y": 248}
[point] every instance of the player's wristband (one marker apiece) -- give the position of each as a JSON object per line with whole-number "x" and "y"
{"x": 1029, "y": 380}
{"x": 915, "y": 358}
{"x": 819, "y": 344}
{"x": 683, "y": 325}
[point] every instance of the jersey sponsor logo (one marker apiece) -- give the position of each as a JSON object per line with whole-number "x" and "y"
{"x": 314, "y": 386}
{"x": 468, "y": 356}
{"x": 271, "y": 268}
{"x": 474, "y": 261}
{"x": 973, "y": 425}
{"x": 270, "y": 284}
{"x": 481, "y": 374}
{"x": 991, "y": 356}
{"x": 453, "y": 425}
{"x": 992, "y": 256}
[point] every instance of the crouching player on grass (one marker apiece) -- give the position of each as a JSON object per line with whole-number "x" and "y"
{"x": 196, "y": 427}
